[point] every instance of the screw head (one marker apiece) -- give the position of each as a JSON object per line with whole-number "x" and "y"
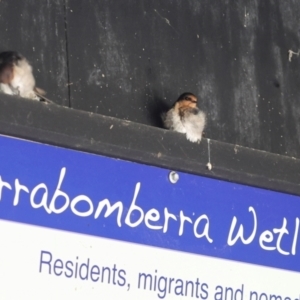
{"x": 173, "y": 177}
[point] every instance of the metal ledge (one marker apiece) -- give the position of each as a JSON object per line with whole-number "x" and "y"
{"x": 89, "y": 132}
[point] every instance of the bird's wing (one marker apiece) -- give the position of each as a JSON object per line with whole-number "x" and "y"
{"x": 172, "y": 121}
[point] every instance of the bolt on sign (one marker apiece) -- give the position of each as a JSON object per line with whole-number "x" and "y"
{"x": 75, "y": 225}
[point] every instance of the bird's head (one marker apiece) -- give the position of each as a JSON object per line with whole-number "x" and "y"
{"x": 187, "y": 100}
{"x": 7, "y": 61}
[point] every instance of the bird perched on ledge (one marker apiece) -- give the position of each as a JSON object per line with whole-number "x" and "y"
{"x": 186, "y": 117}
{"x": 16, "y": 76}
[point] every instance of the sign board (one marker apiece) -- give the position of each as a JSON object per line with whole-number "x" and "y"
{"x": 75, "y": 225}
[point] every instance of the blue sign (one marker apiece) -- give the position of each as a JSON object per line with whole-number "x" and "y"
{"x": 99, "y": 196}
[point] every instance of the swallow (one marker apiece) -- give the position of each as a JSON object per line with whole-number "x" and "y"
{"x": 186, "y": 117}
{"x": 16, "y": 77}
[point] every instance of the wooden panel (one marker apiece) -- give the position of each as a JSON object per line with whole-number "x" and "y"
{"x": 131, "y": 59}
{"x": 37, "y": 30}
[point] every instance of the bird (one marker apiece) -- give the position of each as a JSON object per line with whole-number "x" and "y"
{"x": 186, "y": 117}
{"x": 16, "y": 77}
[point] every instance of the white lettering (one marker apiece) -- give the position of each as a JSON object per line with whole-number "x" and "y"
{"x": 240, "y": 233}
{"x": 183, "y": 218}
{"x": 59, "y": 193}
{"x": 266, "y": 237}
{"x": 295, "y": 237}
{"x": 281, "y": 232}
{"x": 152, "y": 215}
{"x": 83, "y": 206}
{"x": 85, "y": 199}
{"x": 43, "y": 202}
{"x": 134, "y": 207}
{"x": 110, "y": 209}
{"x": 3, "y": 184}
{"x": 167, "y": 216}
{"x": 19, "y": 187}
{"x": 205, "y": 231}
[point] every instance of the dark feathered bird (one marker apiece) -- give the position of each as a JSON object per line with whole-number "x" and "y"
{"x": 186, "y": 117}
